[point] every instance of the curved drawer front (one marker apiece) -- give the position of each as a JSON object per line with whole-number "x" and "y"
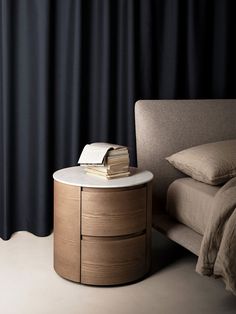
{"x": 108, "y": 262}
{"x": 113, "y": 212}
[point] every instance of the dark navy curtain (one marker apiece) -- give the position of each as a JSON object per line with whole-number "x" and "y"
{"x": 71, "y": 71}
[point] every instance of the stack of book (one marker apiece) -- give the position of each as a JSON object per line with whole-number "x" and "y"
{"x": 106, "y": 160}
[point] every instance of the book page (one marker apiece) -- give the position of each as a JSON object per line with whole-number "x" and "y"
{"x": 106, "y": 145}
{"x": 94, "y": 153}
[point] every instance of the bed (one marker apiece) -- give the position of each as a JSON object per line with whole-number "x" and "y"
{"x": 164, "y": 127}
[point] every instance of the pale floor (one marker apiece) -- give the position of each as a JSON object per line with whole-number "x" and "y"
{"x": 29, "y": 285}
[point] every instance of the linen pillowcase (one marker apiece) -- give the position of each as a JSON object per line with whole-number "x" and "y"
{"x": 212, "y": 163}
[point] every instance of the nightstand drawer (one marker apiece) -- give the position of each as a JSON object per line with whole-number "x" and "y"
{"x": 112, "y": 261}
{"x": 113, "y": 212}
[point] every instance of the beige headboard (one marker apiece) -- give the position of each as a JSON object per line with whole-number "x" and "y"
{"x": 164, "y": 127}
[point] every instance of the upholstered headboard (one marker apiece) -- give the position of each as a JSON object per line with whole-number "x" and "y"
{"x": 164, "y": 127}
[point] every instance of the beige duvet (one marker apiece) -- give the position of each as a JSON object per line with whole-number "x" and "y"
{"x": 218, "y": 249}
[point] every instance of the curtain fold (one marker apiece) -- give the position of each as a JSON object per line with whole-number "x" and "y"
{"x": 71, "y": 71}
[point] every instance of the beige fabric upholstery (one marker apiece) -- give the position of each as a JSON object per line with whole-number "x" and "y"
{"x": 211, "y": 163}
{"x": 178, "y": 232}
{"x": 164, "y": 127}
{"x": 189, "y": 201}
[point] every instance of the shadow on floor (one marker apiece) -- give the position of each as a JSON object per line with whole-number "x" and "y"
{"x": 229, "y": 303}
{"x": 165, "y": 252}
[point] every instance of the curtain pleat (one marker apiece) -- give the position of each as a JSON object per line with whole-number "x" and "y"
{"x": 71, "y": 72}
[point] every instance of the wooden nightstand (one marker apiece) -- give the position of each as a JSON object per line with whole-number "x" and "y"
{"x": 102, "y": 228}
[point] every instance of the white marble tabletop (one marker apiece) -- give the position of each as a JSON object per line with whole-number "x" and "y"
{"x": 78, "y": 176}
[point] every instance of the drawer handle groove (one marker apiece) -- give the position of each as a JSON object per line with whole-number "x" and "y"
{"x": 109, "y": 238}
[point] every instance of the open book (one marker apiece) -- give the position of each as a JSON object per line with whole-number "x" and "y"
{"x": 98, "y": 153}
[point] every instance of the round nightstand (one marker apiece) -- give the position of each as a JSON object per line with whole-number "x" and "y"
{"x": 102, "y": 228}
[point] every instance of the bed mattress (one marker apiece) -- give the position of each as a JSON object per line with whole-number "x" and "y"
{"x": 189, "y": 202}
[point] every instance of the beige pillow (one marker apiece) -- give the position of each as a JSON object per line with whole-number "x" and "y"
{"x": 212, "y": 163}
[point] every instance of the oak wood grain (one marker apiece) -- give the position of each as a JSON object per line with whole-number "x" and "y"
{"x": 102, "y": 236}
{"x": 67, "y": 230}
{"x": 113, "y": 213}
{"x": 112, "y": 262}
